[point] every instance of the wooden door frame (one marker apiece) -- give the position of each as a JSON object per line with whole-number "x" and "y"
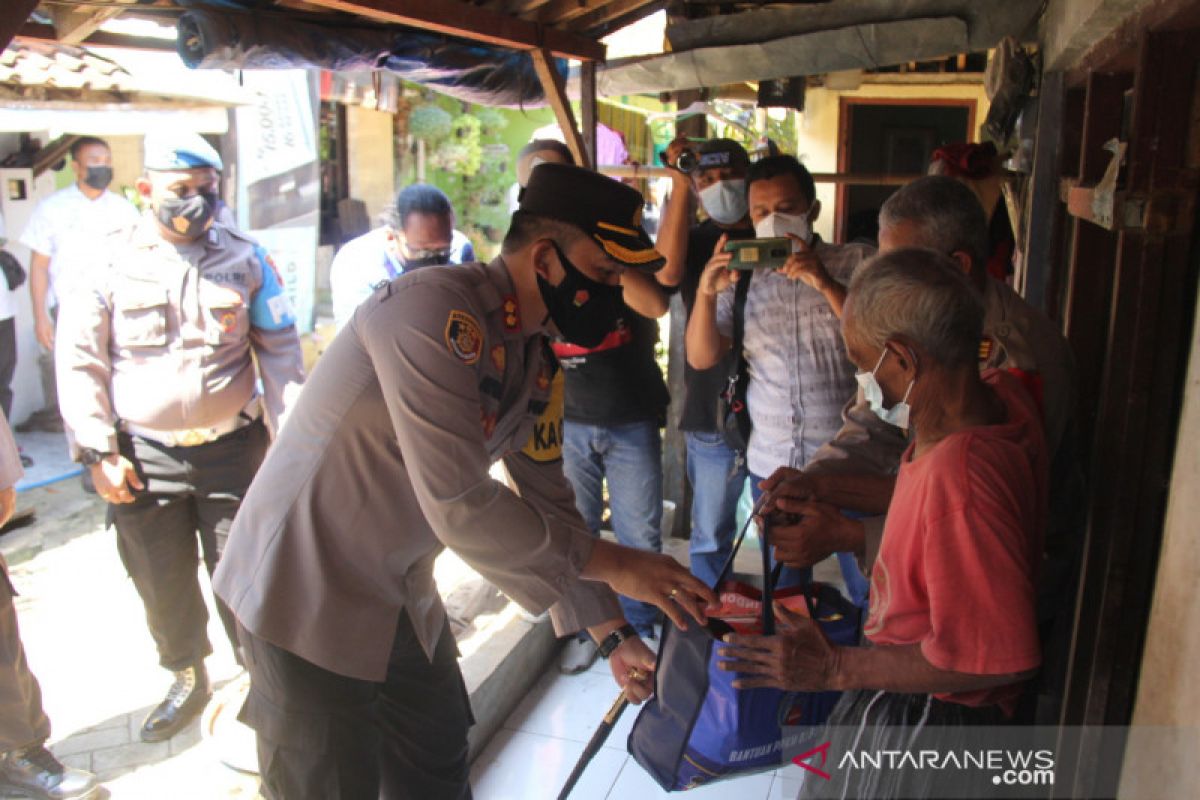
{"x": 846, "y": 132}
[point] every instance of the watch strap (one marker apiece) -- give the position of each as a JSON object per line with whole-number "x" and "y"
{"x": 611, "y": 642}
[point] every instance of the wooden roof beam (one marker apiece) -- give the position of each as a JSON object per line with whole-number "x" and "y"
{"x": 456, "y": 18}
{"x": 557, "y": 12}
{"x": 614, "y": 10}
{"x": 74, "y": 25}
{"x": 556, "y": 94}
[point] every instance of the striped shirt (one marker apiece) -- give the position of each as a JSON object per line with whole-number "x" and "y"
{"x": 800, "y": 375}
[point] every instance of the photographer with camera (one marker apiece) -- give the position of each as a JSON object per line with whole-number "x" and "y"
{"x": 716, "y": 170}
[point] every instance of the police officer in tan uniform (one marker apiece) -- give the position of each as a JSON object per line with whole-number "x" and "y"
{"x": 156, "y": 365}
{"x": 355, "y": 688}
{"x": 25, "y": 763}
{"x": 856, "y": 469}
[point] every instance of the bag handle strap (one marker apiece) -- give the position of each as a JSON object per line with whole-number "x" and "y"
{"x": 740, "y": 292}
{"x": 770, "y": 576}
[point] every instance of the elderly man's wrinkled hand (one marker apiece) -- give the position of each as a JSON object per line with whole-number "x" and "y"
{"x": 787, "y": 482}
{"x": 818, "y": 531}
{"x": 799, "y": 659}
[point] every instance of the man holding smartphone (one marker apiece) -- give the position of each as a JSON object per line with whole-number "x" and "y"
{"x": 800, "y": 374}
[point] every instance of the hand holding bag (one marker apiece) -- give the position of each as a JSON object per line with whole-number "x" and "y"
{"x": 697, "y": 728}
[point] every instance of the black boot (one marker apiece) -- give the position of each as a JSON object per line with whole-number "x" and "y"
{"x": 184, "y": 701}
{"x": 35, "y": 771}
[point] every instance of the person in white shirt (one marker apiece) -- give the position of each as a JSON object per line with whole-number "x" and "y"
{"x": 8, "y": 332}
{"x": 64, "y": 235}
{"x": 418, "y": 231}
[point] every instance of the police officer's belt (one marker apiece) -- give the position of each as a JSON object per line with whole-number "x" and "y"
{"x": 196, "y": 436}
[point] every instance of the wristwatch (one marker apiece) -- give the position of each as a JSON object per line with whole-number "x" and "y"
{"x": 614, "y": 639}
{"x": 90, "y": 458}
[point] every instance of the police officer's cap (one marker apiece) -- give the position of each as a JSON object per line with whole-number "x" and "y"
{"x": 172, "y": 150}
{"x": 608, "y": 211}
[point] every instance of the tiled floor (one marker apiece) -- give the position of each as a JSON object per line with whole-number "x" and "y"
{"x": 541, "y": 742}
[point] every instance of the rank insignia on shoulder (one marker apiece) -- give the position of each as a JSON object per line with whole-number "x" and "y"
{"x": 512, "y": 314}
{"x": 464, "y": 337}
{"x": 489, "y": 424}
{"x": 499, "y": 357}
{"x": 985, "y": 348}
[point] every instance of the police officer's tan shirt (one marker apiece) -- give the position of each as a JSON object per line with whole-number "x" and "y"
{"x": 162, "y": 338}
{"x": 1016, "y": 337}
{"x": 385, "y": 460}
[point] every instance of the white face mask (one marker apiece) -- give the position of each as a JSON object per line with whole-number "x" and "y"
{"x": 725, "y": 201}
{"x": 896, "y": 415}
{"x": 778, "y": 225}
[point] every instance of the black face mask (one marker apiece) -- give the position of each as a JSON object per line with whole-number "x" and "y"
{"x": 584, "y": 310}
{"x": 427, "y": 261}
{"x": 187, "y": 216}
{"x": 98, "y": 177}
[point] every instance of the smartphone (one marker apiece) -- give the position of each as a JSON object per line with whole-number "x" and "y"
{"x": 759, "y": 253}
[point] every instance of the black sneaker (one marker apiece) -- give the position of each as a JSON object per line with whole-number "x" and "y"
{"x": 37, "y": 773}
{"x": 186, "y": 698}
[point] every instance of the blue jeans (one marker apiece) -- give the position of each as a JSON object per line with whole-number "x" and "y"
{"x": 857, "y": 584}
{"x": 717, "y": 476}
{"x": 629, "y": 457}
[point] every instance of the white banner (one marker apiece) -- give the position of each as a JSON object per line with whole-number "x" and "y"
{"x": 278, "y": 193}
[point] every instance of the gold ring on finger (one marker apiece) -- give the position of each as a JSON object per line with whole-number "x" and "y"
{"x": 673, "y": 593}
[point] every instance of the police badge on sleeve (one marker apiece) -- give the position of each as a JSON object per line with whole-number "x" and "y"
{"x": 464, "y": 337}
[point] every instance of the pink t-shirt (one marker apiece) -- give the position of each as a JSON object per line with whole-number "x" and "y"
{"x": 956, "y": 567}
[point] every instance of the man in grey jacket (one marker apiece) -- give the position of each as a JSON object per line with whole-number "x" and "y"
{"x": 355, "y": 689}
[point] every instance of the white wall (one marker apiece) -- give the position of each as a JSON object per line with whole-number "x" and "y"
{"x": 1168, "y": 689}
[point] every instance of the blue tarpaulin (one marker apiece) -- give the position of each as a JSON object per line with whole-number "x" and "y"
{"x": 234, "y": 34}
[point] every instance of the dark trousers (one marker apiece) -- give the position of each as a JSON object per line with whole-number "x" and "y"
{"x": 22, "y": 720}
{"x": 8, "y": 363}
{"x": 322, "y": 735}
{"x": 189, "y": 491}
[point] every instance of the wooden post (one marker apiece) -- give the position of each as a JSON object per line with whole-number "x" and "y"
{"x": 1043, "y": 205}
{"x": 587, "y": 105}
{"x": 556, "y": 93}
{"x": 675, "y": 483}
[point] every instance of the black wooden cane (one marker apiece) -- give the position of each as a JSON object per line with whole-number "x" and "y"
{"x": 593, "y": 746}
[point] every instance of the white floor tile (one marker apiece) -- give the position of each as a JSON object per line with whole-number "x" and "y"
{"x": 636, "y": 782}
{"x": 786, "y": 786}
{"x": 570, "y": 707}
{"x": 527, "y": 766}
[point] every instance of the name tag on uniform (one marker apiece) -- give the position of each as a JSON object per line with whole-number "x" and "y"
{"x": 545, "y": 443}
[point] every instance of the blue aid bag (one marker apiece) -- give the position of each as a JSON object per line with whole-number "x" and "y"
{"x": 697, "y": 728}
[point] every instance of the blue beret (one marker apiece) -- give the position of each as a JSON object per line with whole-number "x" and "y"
{"x": 169, "y": 150}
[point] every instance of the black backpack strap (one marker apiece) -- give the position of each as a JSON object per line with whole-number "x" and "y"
{"x": 740, "y": 292}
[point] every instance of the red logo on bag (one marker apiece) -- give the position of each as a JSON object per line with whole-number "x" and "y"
{"x": 821, "y": 750}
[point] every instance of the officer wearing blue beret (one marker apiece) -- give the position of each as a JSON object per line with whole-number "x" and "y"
{"x": 160, "y": 360}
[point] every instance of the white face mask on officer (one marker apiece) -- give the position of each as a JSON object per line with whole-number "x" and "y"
{"x": 725, "y": 201}
{"x": 896, "y": 415}
{"x": 778, "y": 225}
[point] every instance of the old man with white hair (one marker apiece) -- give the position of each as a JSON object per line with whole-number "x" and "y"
{"x": 951, "y": 623}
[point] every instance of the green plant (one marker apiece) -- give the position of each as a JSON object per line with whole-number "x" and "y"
{"x": 429, "y": 122}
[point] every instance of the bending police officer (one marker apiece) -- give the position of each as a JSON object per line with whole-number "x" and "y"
{"x": 355, "y": 687}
